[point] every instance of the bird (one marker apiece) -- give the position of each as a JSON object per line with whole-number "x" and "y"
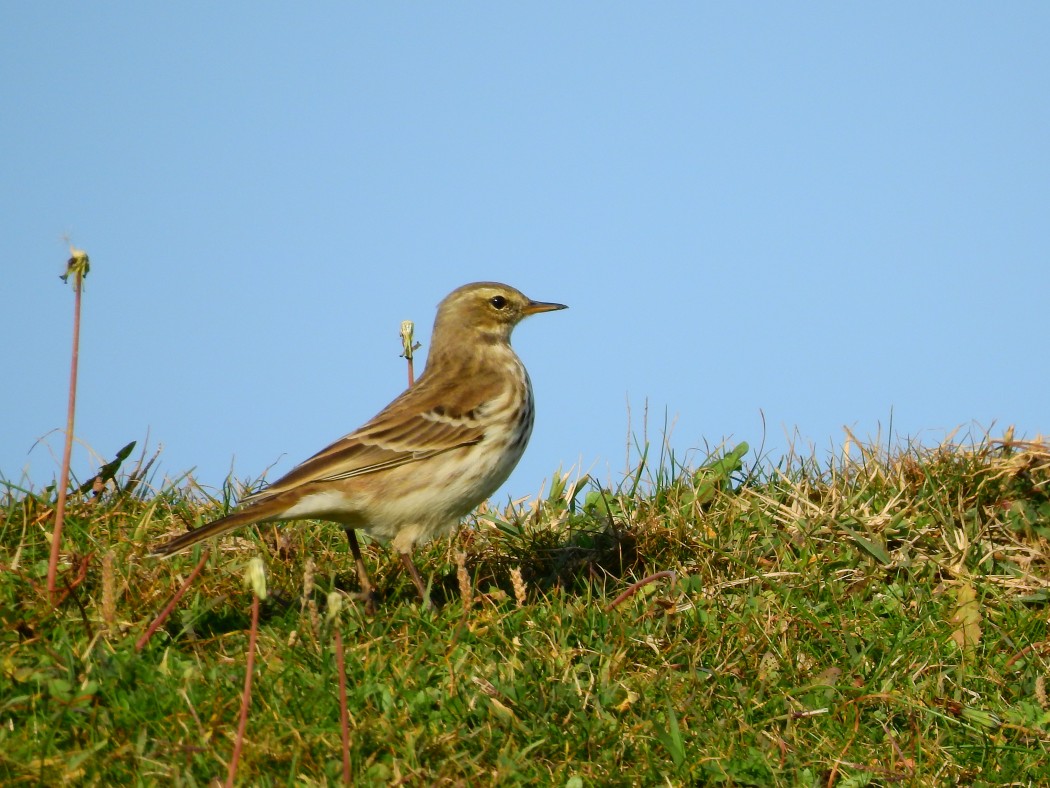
{"x": 427, "y": 459}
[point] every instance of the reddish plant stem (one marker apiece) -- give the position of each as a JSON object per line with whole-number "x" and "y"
{"x": 344, "y": 717}
{"x": 633, "y": 589}
{"x": 67, "y": 451}
{"x": 1025, "y": 652}
{"x": 246, "y": 697}
{"x": 160, "y": 619}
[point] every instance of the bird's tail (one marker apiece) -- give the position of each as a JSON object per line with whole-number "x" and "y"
{"x": 216, "y": 528}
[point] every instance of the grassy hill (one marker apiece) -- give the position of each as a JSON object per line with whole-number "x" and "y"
{"x": 875, "y": 619}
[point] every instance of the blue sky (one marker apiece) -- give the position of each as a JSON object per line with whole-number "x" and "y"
{"x": 823, "y": 213}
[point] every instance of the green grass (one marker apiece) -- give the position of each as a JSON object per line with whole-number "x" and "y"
{"x": 870, "y": 620}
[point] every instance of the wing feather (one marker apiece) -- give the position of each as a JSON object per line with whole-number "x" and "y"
{"x": 413, "y": 427}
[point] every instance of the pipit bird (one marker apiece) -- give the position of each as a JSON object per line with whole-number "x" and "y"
{"x": 430, "y": 456}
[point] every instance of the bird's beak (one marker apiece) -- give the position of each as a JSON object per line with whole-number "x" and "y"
{"x": 535, "y": 307}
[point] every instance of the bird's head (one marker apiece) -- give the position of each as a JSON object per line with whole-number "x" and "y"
{"x": 483, "y": 313}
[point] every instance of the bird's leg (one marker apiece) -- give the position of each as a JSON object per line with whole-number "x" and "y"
{"x": 362, "y": 572}
{"x": 406, "y": 559}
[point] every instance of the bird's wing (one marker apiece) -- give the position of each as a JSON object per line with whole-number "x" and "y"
{"x": 413, "y": 427}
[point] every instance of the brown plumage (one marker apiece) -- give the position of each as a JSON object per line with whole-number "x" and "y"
{"x": 430, "y": 456}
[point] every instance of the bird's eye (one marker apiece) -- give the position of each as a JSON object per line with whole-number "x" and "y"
{"x": 498, "y": 301}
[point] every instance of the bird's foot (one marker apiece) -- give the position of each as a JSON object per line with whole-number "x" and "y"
{"x": 369, "y": 598}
